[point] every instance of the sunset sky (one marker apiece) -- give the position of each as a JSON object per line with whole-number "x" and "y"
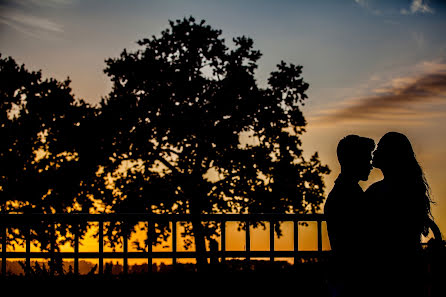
{"x": 372, "y": 66}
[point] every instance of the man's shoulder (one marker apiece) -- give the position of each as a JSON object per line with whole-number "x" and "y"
{"x": 338, "y": 196}
{"x": 345, "y": 190}
{"x": 343, "y": 196}
{"x": 335, "y": 192}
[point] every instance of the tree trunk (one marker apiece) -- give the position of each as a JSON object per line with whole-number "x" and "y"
{"x": 198, "y": 229}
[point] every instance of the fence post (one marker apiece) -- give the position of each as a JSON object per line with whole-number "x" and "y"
{"x": 52, "y": 244}
{"x": 247, "y": 241}
{"x": 101, "y": 246}
{"x": 4, "y": 234}
{"x": 125, "y": 247}
{"x": 223, "y": 240}
{"x": 174, "y": 242}
{"x": 28, "y": 249}
{"x": 319, "y": 235}
{"x": 76, "y": 248}
{"x": 296, "y": 241}
{"x": 271, "y": 240}
{"x": 150, "y": 229}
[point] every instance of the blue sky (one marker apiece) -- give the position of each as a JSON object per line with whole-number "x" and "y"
{"x": 340, "y": 43}
{"x": 355, "y": 53}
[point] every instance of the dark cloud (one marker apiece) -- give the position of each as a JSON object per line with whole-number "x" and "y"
{"x": 396, "y": 101}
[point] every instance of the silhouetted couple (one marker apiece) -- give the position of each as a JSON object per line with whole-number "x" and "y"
{"x": 375, "y": 235}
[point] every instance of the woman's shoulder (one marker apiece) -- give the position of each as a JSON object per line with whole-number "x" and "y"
{"x": 375, "y": 186}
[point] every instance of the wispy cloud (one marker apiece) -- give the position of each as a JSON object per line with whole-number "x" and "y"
{"x": 22, "y": 15}
{"x": 24, "y": 20}
{"x": 382, "y": 8}
{"x": 405, "y": 99}
{"x": 40, "y": 3}
{"x": 367, "y": 5}
{"x": 418, "y": 6}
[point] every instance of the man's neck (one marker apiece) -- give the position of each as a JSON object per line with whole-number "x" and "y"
{"x": 345, "y": 176}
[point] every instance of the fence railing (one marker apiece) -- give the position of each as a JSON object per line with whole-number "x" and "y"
{"x": 27, "y": 220}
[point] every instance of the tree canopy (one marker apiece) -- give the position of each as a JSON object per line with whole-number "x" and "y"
{"x": 45, "y": 156}
{"x": 198, "y": 135}
{"x": 185, "y": 129}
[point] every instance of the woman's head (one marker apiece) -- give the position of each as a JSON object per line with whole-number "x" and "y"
{"x": 394, "y": 154}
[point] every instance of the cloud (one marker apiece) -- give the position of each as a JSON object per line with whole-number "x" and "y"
{"x": 24, "y": 20}
{"x": 385, "y": 8}
{"x": 369, "y": 6}
{"x": 417, "y": 6}
{"x": 22, "y": 15}
{"x": 404, "y": 99}
{"x": 40, "y": 3}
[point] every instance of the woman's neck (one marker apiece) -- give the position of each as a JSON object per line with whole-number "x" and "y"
{"x": 392, "y": 176}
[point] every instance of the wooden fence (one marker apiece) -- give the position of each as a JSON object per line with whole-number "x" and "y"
{"x": 26, "y": 221}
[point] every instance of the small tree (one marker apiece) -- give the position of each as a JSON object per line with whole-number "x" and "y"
{"x": 198, "y": 135}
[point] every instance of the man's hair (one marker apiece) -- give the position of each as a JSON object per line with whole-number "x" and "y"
{"x": 352, "y": 146}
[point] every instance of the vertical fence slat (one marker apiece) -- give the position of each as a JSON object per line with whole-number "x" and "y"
{"x": 174, "y": 242}
{"x": 4, "y": 234}
{"x": 76, "y": 249}
{"x": 28, "y": 249}
{"x": 296, "y": 241}
{"x": 150, "y": 232}
{"x": 247, "y": 241}
{"x": 125, "y": 248}
{"x": 52, "y": 246}
{"x": 271, "y": 240}
{"x": 101, "y": 246}
{"x": 223, "y": 240}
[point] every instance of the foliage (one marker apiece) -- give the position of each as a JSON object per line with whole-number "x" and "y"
{"x": 46, "y": 161}
{"x": 185, "y": 129}
{"x": 192, "y": 132}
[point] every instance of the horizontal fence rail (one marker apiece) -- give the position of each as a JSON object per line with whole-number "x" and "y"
{"x": 27, "y": 221}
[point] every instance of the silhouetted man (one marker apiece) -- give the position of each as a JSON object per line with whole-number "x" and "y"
{"x": 343, "y": 207}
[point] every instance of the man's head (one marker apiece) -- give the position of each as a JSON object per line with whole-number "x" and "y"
{"x": 355, "y": 156}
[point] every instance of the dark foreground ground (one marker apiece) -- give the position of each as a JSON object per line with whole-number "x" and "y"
{"x": 235, "y": 278}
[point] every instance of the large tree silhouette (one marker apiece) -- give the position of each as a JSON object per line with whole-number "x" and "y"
{"x": 47, "y": 160}
{"x": 192, "y": 132}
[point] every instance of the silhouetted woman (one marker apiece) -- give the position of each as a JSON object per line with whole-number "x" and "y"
{"x": 400, "y": 212}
